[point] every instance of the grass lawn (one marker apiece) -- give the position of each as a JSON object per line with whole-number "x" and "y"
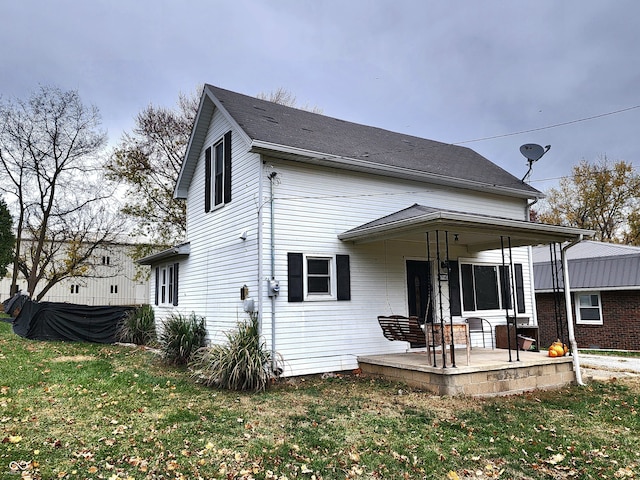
{"x": 79, "y": 411}
{"x": 614, "y": 353}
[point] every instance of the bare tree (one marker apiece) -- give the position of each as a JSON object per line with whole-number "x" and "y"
{"x": 147, "y": 161}
{"x": 49, "y": 148}
{"x": 284, "y": 97}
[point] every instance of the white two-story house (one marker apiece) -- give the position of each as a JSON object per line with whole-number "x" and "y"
{"x": 319, "y": 225}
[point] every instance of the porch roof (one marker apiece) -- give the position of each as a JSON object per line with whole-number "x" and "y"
{"x": 182, "y": 250}
{"x": 475, "y": 231}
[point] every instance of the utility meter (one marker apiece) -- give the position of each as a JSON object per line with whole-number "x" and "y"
{"x": 274, "y": 288}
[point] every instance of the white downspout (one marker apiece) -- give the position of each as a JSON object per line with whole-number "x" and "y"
{"x": 274, "y": 363}
{"x": 568, "y": 303}
{"x": 260, "y": 250}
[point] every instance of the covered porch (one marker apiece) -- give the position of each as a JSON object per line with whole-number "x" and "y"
{"x": 449, "y": 237}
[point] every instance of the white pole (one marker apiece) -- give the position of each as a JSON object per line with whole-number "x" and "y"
{"x": 567, "y": 302}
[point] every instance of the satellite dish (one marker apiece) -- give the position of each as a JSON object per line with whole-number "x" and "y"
{"x": 532, "y": 151}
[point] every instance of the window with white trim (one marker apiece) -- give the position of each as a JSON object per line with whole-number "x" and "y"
{"x": 217, "y": 160}
{"x": 318, "y": 272}
{"x": 488, "y": 287}
{"x": 167, "y": 284}
{"x": 588, "y": 308}
{"x": 318, "y": 277}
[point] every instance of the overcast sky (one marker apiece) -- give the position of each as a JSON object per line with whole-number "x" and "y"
{"x": 452, "y": 71}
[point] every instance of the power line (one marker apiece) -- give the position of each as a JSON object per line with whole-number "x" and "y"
{"x": 548, "y": 126}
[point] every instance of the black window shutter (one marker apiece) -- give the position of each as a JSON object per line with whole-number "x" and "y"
{"x": 227, "y": 167}
{"x": 468, "y": 296}
{"x": 505, "y": 286}
{"x": 294, "y": 277}
{"x": 519, "y": 288}
{"x": 343, "y": 277}
{"x": 454, "y": 289}
{"x": 175, "y": 283}
{"x": 157, "y": 283}
{"x": 207, "y": 180}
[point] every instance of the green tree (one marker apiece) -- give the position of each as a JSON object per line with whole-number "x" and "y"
{"x": 600, "y": 196}
{"x": 147, "y": 162}
{"x": 7, "y": 238}
{"x": 49, "y": 169}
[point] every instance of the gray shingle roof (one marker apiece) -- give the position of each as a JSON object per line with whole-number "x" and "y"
{"x": 279, "y": 125}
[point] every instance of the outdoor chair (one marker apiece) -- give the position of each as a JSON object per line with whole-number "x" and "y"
{"x": 455, "y": 336}
{"x": 477, "y": 325}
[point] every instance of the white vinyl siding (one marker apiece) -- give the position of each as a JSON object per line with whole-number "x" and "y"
{"x": 220, "y": 263}
{"x": 315, "y": 204}
{"x": 311, "y": 206}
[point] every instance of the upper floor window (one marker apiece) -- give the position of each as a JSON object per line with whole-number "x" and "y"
{"x": 218, "y": 173}
{"x": 106, "y": 260}
{"x": 588, "y": 308}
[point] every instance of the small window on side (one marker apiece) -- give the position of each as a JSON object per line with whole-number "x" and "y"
{"x": 318, "y": 276}
{"x": 588, "y": 308}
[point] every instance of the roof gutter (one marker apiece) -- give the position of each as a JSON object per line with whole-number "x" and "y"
{"x": 567, "y": 302}
{"x": 356, "y": 164}
{"x": 464, "y": 219}
{"x": 181, "y": 250}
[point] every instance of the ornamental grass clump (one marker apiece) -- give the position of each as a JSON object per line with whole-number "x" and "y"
{"x": 243, "y": 363}
{"x": 181, "y": 337}
{"x": 138, "y": 326}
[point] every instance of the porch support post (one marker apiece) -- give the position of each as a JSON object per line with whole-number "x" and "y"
{"x": 506, "y": 308}
{"x": 440, "y": 309}
{"x": 512, "y": 293}
{"x": 567, "y": 301}
{"x": 555, "y": 282}
{"x": 448, "y": 267}
{"x": 428, "y": 325}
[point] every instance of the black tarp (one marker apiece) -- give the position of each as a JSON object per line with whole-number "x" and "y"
{"x": 64, "y": 321}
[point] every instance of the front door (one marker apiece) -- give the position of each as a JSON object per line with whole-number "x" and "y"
{"x": 419, "y": 290}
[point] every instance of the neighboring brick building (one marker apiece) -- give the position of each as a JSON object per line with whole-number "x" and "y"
{"x": 605, "y": 292}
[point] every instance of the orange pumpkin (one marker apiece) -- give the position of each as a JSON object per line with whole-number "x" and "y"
{"x": 557, "y": 349}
